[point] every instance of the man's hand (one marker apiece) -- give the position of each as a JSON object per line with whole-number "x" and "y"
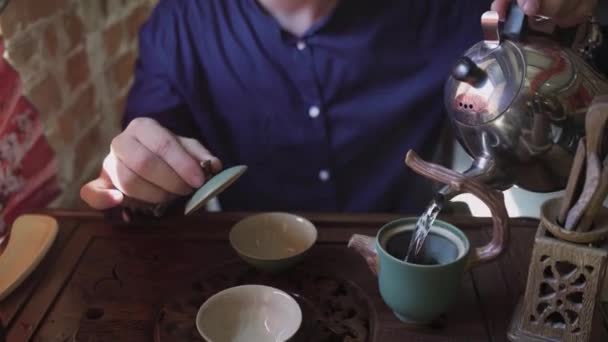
{"x": 149, "y": 163}
{"x": 564, "y": 13}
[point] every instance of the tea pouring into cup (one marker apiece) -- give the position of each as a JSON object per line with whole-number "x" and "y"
{"x": 418, "y": 293}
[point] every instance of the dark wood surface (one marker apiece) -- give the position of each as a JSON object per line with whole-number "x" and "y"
{"x": 104, "y": 282}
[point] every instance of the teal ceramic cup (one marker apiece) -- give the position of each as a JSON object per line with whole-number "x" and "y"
{"x": 420, "y": 293}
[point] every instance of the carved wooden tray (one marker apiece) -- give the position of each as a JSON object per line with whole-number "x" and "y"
{"x": 333, "y": 309}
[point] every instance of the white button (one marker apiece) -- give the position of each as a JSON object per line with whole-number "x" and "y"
{"x": 324, "y": 175}
{"x": 314, "y": 111}
{"x": 301, "y": 45}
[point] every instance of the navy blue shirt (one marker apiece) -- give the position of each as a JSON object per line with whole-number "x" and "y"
{"x": 323, "y": 121}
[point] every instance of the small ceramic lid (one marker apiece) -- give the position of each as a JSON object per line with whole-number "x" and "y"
{"x": 213, "y": 187}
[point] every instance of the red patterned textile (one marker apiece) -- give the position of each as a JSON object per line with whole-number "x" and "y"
{"x": 28, "y": 170}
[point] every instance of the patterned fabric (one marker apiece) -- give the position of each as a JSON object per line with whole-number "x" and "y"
{"x": 27, "y": 163}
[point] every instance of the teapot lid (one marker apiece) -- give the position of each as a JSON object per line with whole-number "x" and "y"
{"x": 484, "y": 82}
{"x": 213, "y": 187}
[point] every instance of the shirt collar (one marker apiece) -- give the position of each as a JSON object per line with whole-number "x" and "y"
{"x": 274, "y": 26}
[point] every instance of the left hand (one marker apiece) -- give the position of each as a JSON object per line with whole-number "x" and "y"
{"x": 564, "y": 13}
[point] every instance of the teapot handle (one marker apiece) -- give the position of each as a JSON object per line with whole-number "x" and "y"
{"x": 492, "y": 198}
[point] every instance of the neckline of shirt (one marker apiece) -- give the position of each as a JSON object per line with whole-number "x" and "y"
{"x": 315, "y": 29}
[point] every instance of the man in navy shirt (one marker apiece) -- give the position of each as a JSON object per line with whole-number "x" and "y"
{"x": 320, "y": 98}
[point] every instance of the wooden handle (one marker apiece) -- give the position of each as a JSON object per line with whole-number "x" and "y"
{"x": 492, "y": 198}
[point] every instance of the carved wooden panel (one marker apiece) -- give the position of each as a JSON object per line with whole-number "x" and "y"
{"x": 563, "y": 287}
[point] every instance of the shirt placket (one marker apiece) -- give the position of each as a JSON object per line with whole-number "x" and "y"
{"x": 316, "y": 110}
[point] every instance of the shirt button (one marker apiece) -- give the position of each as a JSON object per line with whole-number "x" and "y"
{"x": 324, "y": 175}
{"x": 301, "y": 45}
{"x": 314, "y": 111}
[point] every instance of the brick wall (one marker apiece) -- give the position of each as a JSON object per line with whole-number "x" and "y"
{"x": 75, "y": 58}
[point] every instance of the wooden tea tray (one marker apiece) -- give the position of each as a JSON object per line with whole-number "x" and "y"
{"x": 333, "y": 309}
{"x": 103, "y": 282}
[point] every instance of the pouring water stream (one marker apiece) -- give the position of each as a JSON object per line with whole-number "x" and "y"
{"x": 423, "y": 226}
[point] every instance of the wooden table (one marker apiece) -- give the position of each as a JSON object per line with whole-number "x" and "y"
{"x": 104, "y": 282}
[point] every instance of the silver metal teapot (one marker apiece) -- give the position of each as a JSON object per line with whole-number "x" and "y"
{"x": 517, "y": 101}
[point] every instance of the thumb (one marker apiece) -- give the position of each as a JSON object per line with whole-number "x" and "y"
{"x": 100, "y": 193}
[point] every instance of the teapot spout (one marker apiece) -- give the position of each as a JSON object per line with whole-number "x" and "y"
{"x": 485, "y": 170}
{"x": 366, "y": 247}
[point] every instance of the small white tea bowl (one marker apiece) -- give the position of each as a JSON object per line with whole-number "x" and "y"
{"x": 249, "y": 313}
{"x": 273, "y": 241}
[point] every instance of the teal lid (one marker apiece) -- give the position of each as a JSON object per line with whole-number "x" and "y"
{"x": 213, "y": 187}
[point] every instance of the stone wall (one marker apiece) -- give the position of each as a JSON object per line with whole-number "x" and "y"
{"x": 75, "y": 58}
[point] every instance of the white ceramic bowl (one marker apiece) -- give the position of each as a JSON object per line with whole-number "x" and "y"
{"x": 249, "y": 313}
{"x": 273, "y": 241}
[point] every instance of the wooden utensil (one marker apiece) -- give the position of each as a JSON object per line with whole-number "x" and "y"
{"x": 596, "y": 201}
{"x": 575, "y": 182}
{"x": 599, "y": 232}
{"x": 597, "y": 118}
{"x": 591, "y": 182}
{"x": 595, "y": 122}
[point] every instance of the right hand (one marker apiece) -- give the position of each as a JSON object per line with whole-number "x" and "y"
{"x": 149, "y": 163}
{"x": 565, "y": 13}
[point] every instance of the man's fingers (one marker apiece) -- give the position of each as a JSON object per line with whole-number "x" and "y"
{"x": 148, "y": 165}
{"x": 165, "y": 145}
{"x": 575, "y": 14}
{"x": 564, "y": 13}
{"x": 501, "y": 7}
{"x": 531, "y": 7}
{"x": 199, "y": 152}
{"x": 131, "y": 184}
{"x": 556, "y": 9}
{"x": 569, "y": 21}
{"x": 100, "y": 194}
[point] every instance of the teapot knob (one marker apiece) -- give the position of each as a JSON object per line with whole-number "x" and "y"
{"x": 465, "y": 70}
